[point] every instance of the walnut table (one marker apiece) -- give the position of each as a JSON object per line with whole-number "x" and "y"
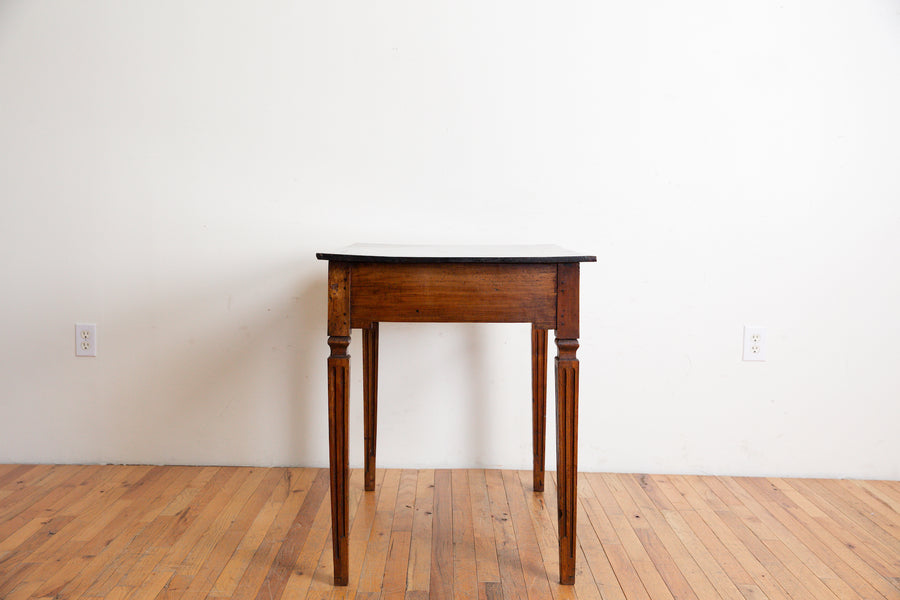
{"x": 368, "y": 284}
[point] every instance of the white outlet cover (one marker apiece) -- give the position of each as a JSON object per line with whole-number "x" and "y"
{"x": 85, "y": 339}
{"x": 754, "y": 343}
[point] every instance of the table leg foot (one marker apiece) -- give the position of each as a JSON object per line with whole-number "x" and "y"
{"x": 567, "y": 454}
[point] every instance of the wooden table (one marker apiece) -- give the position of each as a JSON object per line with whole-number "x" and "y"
{"x": 368, "y": 284}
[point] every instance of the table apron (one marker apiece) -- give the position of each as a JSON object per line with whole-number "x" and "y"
{"x": 453, "y": 293}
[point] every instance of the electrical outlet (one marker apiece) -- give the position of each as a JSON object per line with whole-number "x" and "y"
{"x": 754, "y": 343}
{"x": 85, "y": 339}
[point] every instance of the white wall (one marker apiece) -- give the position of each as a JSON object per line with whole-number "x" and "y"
{"x": 168, "y": 170}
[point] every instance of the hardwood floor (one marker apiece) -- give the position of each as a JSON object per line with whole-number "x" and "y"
{"x": 120, "y": 532}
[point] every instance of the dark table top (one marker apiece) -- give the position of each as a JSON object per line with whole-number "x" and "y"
{"x": 391, "y": 253}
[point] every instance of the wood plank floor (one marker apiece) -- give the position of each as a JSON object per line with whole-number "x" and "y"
{"x": 129, "y": 532}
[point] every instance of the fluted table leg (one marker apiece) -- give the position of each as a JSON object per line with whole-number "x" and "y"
{"x": 338, "y": 402}
{"x": 567, "y": 454}
{"x": 338, "y": 388}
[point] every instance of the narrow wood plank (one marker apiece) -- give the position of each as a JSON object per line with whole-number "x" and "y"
{"x": 401, "y": 536}
{"x": 441, "y": 583}
{"x": 882, "y": 494}
{"x": 298, "y": 484}
{"x": 18, "y": 493}
{"x": 545, "y": 523}
{"x": 511, "y": 576}
{"x": 19, "y": 536}
{"x": 649, "y": 539}
{"x": 360, "y": 532}
{"x": 487, "y": 566}
{"x": 537, "y": 582}
{"x": 276, "y": 579}
{"x": 625, "y": 571}
{"x": 302, "y": 576}
{"x": 23, "y": 591}
{"x": 465, "y": 580}
{"x": 323, "y": 579}
{"x": 210, "y": 569}
{"x": 87, "y": 501}
{"x": 372, "y": 574}
{"x": 9, "y": 473}
{"x": 184, "y": 500}
{"x": 32, "y": 485}
{"x": 111, "y": 501}
{"x": 675, "y": 501}
{"x": 151, "y": 586}
{"x": 636, "y": 553}
{"x": 227, "y": 581}
{"x": 117, "y": 593}
{"x": 651, "y": 488}
{"x": 419, "y": 572}
{"x": 889, "y": 489}
{"x": 594, "y": 577}
{"x": 221, "y": 517}
{"x": 399, "y": 545}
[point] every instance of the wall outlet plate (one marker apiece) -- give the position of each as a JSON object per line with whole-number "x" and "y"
{"x": 85, "y": 339}
{"x": 754, "y": 343}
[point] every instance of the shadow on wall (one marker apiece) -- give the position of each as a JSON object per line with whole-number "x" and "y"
{"x": 232, "y": 370}
{"x": 309, "y": 410}
{"x": 223, "y": 372}
{"x": 438, "y": 389}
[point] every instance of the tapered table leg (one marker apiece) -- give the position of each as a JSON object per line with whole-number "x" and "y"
{"x": 338, "y": 402}
{"x": 567, "y": 453}
{"x": 370, "y": 401}
{"x": 338, "y": 388}
{"x": 538, "y": 402}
